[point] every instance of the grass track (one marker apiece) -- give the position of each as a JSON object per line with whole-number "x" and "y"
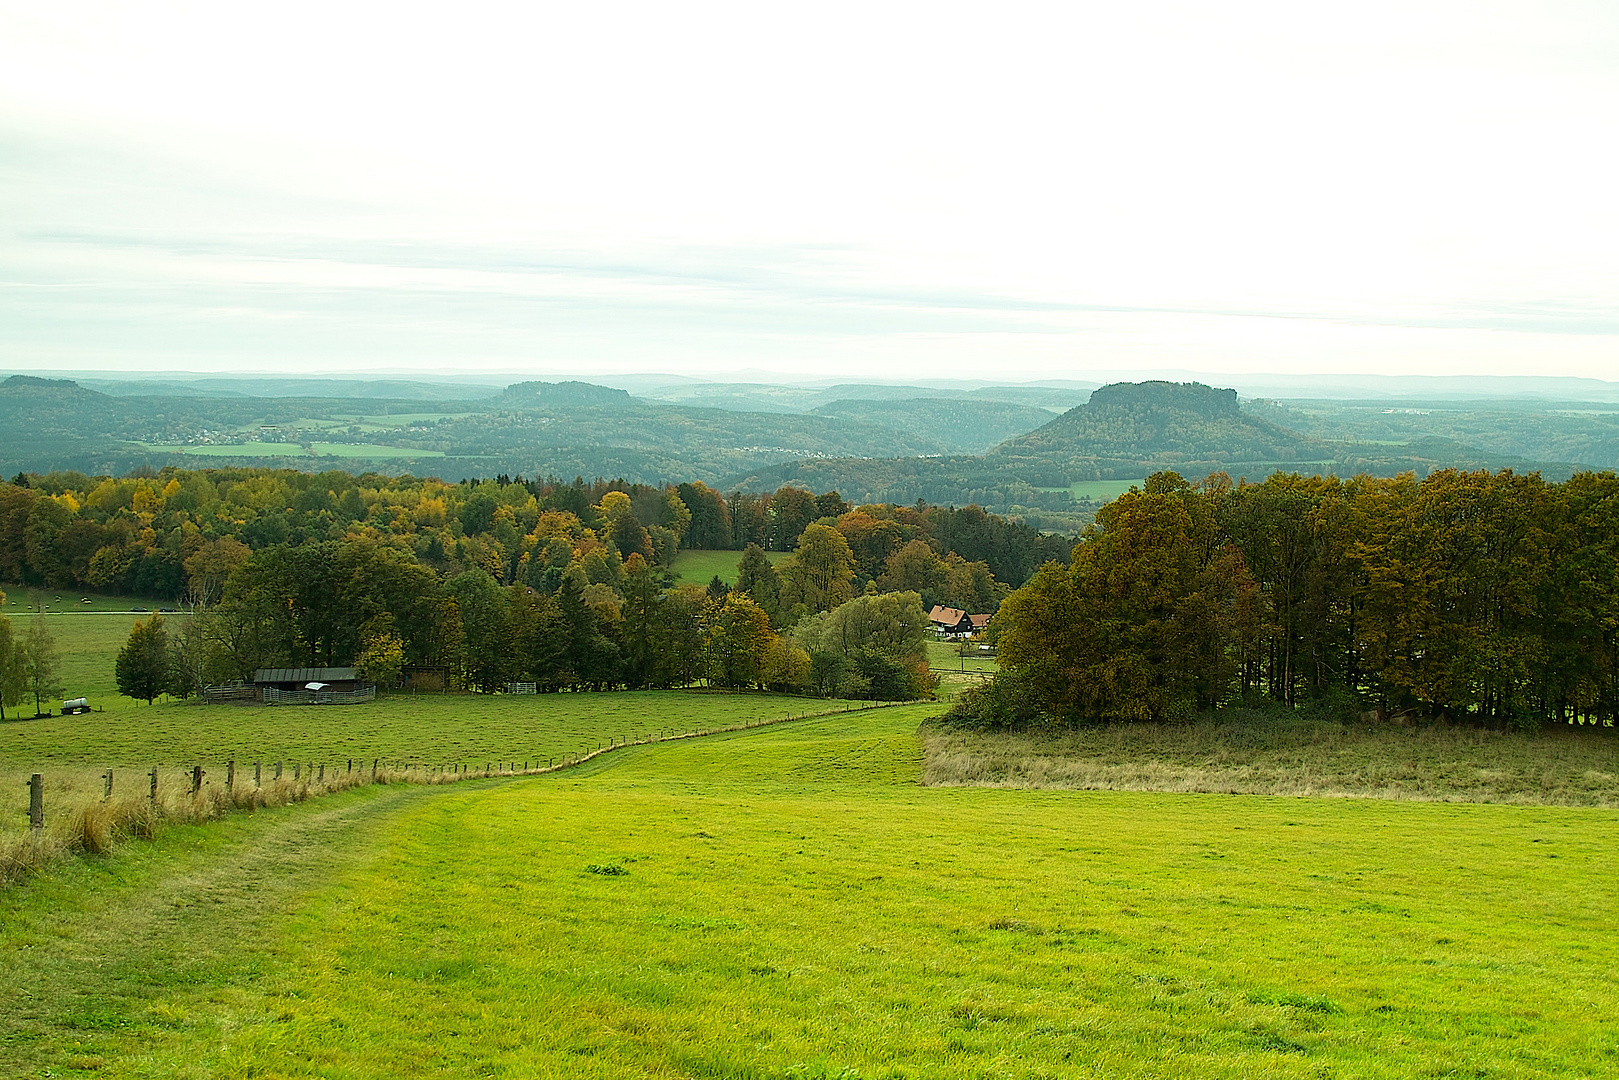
{"x": 793, "y": 904}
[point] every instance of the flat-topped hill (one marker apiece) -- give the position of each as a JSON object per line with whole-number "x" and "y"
{"x": 1136, "y": 426}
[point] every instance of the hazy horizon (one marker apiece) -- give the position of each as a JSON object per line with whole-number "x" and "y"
{"x": 898, "y": 194}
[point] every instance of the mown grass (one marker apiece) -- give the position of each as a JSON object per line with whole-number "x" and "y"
{"x": 1269, "y": 753}
{"x": 699, "y": 567}
{"x": 791, "y": 903}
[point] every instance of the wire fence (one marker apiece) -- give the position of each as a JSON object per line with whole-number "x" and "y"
{"x": 77, "y": 810}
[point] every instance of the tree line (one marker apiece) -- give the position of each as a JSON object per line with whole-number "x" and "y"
{"x": 1488, "y": 596}
{"x": 178, "y": 534}
{"x": 354, "y": 603}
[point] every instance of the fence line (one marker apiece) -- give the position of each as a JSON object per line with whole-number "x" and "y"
{"x": 272, "y": 696}
{"x": 309, "y": 778}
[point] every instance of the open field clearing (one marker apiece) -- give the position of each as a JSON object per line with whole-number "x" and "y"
{"x": 699, "y": 567}
{"x": 1270, "y": 753}
{"x": 372, "y": 451}
{"x": 790, "y": 903}
{"x": 474, "y": 730}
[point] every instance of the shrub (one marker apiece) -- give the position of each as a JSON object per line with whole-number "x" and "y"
{"x": 1009, "y": 700}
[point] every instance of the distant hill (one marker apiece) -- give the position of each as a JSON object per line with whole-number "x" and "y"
{"x": 894, "y": 444}
{"x": 1129, "y": 429}
{"x": 959, "y": 425}
{"x": 563, "y": 393}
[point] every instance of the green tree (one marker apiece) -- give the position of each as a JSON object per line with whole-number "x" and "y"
{"x": 758, "y": 578}
{"x": 142, "y": 668}
{"x": 13, "y": 683}
{"x": 819, "y": 575}
{"x": 738, "y": 639}
{"x": 194, "y": 659}
{"x": 881, "y": 637}
{"x": 1143, "y": 624}
{"x": 791, "y": 510}
{"x": 916, "y": 568}
{"x": 41, "y": 663}
{"x": 485, "y": 610}
{"x": 643, "y": 601}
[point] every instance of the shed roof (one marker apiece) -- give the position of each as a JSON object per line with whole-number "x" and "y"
{"x": 946, "y": 616}
{"x": 304, "y": 674}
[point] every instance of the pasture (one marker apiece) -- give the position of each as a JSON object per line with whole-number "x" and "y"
{"x": 88, "y": 637}
{"x": 699, "y": 567}
{"x": 433, "y": 730}
{"x": 789, "y": 902}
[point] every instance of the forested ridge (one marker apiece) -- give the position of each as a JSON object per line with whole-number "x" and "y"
{"x": 1490, "y": 596}
{"x": 480, "y": 583}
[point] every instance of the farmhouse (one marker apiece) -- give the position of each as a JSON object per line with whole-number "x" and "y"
{"x": 341, "y": 679}
{"x": 953, "y": 622}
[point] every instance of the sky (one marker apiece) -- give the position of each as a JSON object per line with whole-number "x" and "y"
{"x": 831, "y": 190}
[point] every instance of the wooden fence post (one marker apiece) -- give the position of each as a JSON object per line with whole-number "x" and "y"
{"x": 107, "y": 791}
{"x": 278, "y": 770}
{"x": 257, "y": 772}
{"x": 230, "y": 777}
{"x": 374, "y": 762}
{"x": 36, "y": 802}
{"x": 351, "y": 764}
{"x": 323, "y": 774}
{"x": 196, "y": 779}
{"x": 297, "y": 770}
{"x": 154, "y": 784}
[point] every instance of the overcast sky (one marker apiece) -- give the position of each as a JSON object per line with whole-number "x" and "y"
{"x": 817, "y": 190}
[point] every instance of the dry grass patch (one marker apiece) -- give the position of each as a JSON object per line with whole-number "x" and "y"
{"x": 1261, "y": 753}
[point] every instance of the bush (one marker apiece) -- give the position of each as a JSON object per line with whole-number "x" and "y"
{"x": 1009, "y": 700}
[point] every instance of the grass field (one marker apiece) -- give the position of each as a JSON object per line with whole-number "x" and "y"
{"x": 88, "y": 638}
{"x": 945, "y": 656}
{"x": 367, "y": 451}
{"x": 791, "y": 903}
{"x": 435, "y": 730}
{"x": 1098, "y": 490}
{"x": 1258, "y": 752}
{"x": 247, "y": 449}
{"x": 371, "y": 451}
{"x": 699, "y": 567}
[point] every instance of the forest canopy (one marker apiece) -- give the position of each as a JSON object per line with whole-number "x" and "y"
{"x": 478, "y": 584}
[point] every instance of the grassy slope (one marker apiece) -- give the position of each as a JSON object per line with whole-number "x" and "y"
{"x": 699, "y": 567}
{"x": 793, "y": 904}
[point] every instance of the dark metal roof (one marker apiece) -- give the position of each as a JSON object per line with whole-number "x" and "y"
{"x": 304, "y": 674}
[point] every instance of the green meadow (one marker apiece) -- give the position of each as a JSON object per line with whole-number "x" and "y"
{"x": 88, "y": 637}
{"x": 699, "y": 567}
{"x": 791, "y": 902}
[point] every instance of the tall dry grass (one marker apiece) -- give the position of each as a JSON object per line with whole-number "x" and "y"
{"x": 1258, "y": 752}
{"x": 81, "y": 821}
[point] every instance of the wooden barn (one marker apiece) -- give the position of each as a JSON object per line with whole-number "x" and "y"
{"x": 338, "y": 679}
